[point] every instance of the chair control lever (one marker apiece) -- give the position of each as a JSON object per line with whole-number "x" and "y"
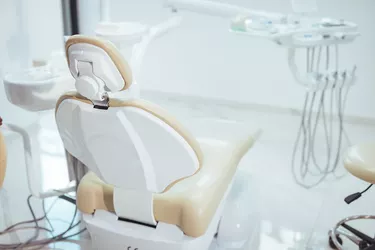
{"x": 356, "y": 196}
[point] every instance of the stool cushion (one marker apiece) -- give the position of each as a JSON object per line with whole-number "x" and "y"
{"x": 360, "y": 161}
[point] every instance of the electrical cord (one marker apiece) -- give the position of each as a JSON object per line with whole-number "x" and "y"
{"x": 356, "y": 196}
{"x": 31, "y": 221}
{"x": 34, "y": 243}
{"x": 303, "y": 163}
{"x": 321, "y": 109}
{"x": 37, "y": 244}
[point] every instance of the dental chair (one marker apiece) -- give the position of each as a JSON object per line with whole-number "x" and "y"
{"x": 152, "y": 184}
{"x": 360, "y": 162}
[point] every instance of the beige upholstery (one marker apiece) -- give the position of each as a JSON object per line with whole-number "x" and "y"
{"x": 110, "y": 49}
{"x": 360, "y": 161}
{"x": 3, "y": 160}
{"x": 189, "y": 203}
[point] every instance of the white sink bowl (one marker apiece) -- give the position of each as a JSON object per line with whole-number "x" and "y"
{"x": 37, "y": 89}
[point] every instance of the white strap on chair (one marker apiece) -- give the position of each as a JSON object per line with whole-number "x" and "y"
{"x": 134, "y": 206}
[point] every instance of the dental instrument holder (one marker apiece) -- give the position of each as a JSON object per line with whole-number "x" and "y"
{"x": 298, "y": 30}
{"x": 310, "y": 34}
{"x": 288, "y": 32}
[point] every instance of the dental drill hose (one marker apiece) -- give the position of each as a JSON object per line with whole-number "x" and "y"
{"x": 310, "y": 175}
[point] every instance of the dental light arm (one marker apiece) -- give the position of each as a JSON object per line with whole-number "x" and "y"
{"x": 285, "y": 30}
{"x": 218, "y": 9}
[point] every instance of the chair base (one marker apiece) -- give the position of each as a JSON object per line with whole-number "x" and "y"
{"x": 114, "y": 234}
{"x": 341, "y": 229}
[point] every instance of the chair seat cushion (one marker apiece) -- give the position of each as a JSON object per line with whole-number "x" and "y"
{"x": 189, "y": 203}
{"x": 360, "y": 161}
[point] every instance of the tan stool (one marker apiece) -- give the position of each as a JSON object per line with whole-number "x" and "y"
{"x": 360, "y": 162}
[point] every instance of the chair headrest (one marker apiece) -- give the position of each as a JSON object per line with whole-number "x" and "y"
{"x": 97, "y": 66}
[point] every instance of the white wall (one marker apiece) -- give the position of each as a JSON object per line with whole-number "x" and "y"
{"x": 202, "y": 58}
{"x": 42, "y": 33}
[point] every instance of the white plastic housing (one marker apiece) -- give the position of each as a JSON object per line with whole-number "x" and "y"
{"x": 94, "y": 68}
{"x": 141, "y": 209}
{"x": 107, "y": 232}
{"x": 316, "y": 33}
{"x": 315, "y": 81}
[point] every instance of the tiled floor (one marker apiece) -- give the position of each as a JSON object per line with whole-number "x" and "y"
{"x": 287, "y": 215}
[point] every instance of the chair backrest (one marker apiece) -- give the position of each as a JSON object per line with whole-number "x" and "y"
{"x": 131, "y": 144}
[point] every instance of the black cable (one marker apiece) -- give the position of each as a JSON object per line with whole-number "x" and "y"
{"x": 68, "y": 199}
{"x": 364, "y": 191}
{"x": 33, "y": 243}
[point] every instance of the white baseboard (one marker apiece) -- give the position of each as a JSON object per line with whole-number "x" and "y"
{"x": 235, "y": 110}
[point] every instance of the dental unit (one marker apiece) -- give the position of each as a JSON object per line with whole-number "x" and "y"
{"x": 151, "y": 183}
{"x": 321, "y": 77}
